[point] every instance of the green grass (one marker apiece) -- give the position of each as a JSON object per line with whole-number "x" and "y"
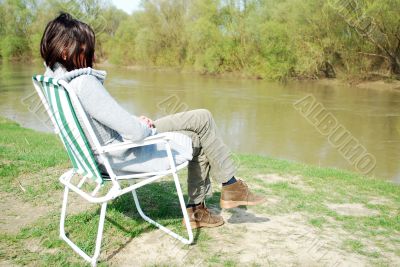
{"x": 358, "y": 247}
{"x": 330, "y": 186}
{"x": 25, "y": 151}
{"x": 317, "y": 221}
{"x": 35, "y": 160}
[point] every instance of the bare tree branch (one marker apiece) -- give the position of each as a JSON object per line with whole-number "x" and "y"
{"x": 373, "y": 55}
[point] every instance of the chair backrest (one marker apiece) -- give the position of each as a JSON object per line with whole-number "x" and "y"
{"x": 56, "y": 100}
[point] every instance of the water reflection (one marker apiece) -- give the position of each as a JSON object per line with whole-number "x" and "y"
{"x": 253, "y": 116}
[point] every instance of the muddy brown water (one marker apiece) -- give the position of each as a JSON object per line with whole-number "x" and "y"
{"x": 254, "y": 117}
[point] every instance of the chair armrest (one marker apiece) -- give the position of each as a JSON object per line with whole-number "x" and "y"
{"x": 164, "y": 136}
{"x": 154, "y": 139}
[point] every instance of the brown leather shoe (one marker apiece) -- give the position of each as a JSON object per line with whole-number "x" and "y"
{"x": 200, "y": 216}
{"x": 238, "y": 194}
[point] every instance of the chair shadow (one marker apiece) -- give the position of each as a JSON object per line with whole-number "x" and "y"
{"x": 122, "y": 246}
{"x": 160, "y": 202}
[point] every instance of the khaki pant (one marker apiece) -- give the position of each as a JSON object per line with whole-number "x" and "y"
{"x": 210, "y": 155}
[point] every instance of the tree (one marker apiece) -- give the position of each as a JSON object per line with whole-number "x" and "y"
{"x": 378, "y": 23}
{"x": 271, "y": 39}
{"x": 16, "y": 17}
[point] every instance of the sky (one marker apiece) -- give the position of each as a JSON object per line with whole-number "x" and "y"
{"x": 127, "y": 5}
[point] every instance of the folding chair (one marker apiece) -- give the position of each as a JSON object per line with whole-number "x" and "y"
{"x": 60, "y": 101}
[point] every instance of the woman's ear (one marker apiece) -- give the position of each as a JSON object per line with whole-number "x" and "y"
{"x": 64, "y": 54}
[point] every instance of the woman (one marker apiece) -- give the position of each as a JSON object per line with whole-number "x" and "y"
{"x": 67, "y": 47}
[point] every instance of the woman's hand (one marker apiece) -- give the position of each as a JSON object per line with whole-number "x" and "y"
{"x": 149, "y": 122}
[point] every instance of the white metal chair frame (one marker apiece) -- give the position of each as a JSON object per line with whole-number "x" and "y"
{"x": 116, "y": 190}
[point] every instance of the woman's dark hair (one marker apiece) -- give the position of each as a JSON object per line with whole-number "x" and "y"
{"x": 66, "y": 37}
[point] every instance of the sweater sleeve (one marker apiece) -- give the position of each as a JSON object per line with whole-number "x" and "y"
{"x": 100, "y": 105}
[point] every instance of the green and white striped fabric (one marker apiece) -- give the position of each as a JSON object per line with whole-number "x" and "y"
{"x": 70, "y": 130}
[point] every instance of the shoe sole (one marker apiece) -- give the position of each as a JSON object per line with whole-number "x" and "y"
{"x": 229, "y": 204}
{"x": 195, "y": 225}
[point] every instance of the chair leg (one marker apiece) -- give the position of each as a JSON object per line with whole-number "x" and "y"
{"x": 92, "y": 260}
{"x": 99, "y": 233}
{"x": 183, "y": 208}
{"x": 163, "y": 228}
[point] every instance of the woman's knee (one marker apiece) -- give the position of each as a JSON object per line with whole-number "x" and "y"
{"x": 204, "y": 117}
{"x": 204, "y": 113}
{"x": 200, "y": 120}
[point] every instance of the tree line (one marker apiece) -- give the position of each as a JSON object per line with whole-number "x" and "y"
{"x": 269, "y": 39}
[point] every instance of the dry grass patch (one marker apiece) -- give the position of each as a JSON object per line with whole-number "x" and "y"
{"x": 352, "y": 209}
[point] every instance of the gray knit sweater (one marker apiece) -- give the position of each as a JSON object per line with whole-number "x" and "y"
{"x": 111, "y": 124}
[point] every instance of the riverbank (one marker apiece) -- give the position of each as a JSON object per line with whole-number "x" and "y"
{"x": 314, "y": 216}
{"x": 365, "y": 82}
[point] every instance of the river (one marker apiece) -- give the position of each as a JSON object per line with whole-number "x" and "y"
{"x": 253, "y": 116}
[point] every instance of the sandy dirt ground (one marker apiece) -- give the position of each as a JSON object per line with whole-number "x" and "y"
{"x": 248, "y": 240}
{"x": 253, "y": 239}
